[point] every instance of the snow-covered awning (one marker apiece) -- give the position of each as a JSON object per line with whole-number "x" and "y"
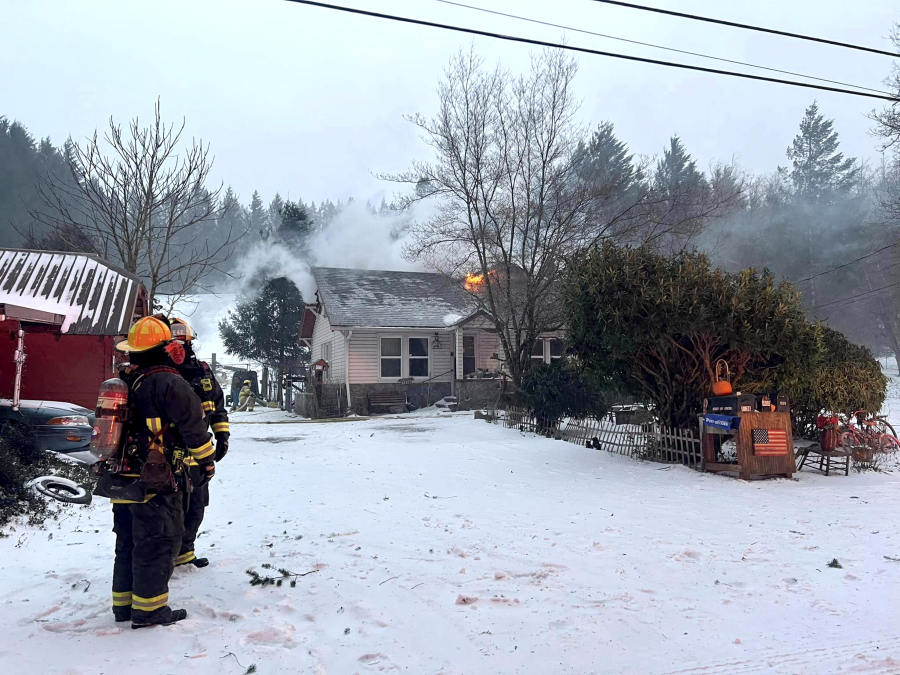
{"x": 91, "y": 296}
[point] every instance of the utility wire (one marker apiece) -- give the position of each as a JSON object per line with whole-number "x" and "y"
{"x": 649, "y": 44}
{"x": 584, "y": 50}
{"x": 866, "y": 295}
{"x": 847, "y": 264}
{"x": 733, "y": 24}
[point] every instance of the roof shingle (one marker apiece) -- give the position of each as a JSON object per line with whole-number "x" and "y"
{"x": 376, "y": 298}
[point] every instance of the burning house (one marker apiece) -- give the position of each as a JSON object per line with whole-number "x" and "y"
{"x": 60, "y": 317}
{"x": 385, "y": 335}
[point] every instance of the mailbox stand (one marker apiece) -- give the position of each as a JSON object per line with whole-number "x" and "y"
{"x": 756, "y": 457}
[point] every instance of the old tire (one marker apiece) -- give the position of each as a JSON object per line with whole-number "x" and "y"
{"x": 60, "y": 489}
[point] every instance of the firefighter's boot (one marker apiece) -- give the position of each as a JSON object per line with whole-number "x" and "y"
{"x": 164, "y": 618}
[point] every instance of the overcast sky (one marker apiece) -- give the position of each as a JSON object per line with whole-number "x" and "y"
{"x": 309, "y": 102}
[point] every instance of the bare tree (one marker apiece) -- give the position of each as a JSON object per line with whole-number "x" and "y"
{"x": 137, "y": 201}
{"x": 515, "y": 198}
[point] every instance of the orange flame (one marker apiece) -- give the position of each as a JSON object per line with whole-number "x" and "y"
{"x": 474, "y": 281}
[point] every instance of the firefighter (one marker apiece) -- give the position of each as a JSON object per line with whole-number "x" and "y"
{"x": 203, "y": 382}
{"x": 166, "y": 424}
{"x": 246, "y": 397}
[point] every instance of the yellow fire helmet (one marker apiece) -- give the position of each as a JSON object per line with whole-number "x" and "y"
{"x": 145, "y": 334}
{"x": 246, "y": 381}
{"x": 181, "y": 330}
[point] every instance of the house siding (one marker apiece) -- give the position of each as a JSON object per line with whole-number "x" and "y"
{"x": 365, "y": 354}
{"x": 322, "y": 335}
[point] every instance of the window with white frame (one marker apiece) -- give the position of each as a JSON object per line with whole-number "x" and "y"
{"x": 418, "y": 357}
{"x": 557, "y": 348}
{"x": 537, "y": 350}
{"x": 391, "y": 357}
{"x": 468, "y": 354}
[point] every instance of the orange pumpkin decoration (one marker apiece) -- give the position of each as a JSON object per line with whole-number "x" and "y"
{"x": 722, "y": 387}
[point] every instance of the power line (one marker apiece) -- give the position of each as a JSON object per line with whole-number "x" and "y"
{"x": 865, "y": 295}
{"x": 733, "y": 24}
{"x": 584, "y": 50}
{"x": 847, "y": 264}
{"x": 650, "y": 44}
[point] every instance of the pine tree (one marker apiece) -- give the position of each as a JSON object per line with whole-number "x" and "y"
{"x": 605, "y": 160}
{"x": 295, "y": 226}
{"x": 819, "y": 170}
{"x": 273, "y": 217}
{"x": 257, "y": 214}
{"x": 677, "y": 170}
{"x": 264, "y": 328}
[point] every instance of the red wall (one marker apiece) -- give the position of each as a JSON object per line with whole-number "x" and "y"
{"x": 57, "y": 367}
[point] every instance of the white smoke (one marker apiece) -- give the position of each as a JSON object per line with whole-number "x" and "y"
{"x": 355, "y": 238}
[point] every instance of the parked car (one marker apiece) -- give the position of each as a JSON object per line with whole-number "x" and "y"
{"x": 60, "y": 427}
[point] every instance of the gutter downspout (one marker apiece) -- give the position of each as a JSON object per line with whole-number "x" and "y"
{"x": 347, "y": 337}
{"x": 19, "y": 360}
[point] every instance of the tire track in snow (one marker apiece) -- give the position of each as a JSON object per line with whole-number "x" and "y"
{"x": 865, "y": 656}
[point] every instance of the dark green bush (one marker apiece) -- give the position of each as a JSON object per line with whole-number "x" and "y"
{"x": 847, "y": 379}
{"x": 656, "y": 325}
{"x": 559, "y": 390}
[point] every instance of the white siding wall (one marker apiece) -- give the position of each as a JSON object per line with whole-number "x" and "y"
{"x": 322, "y": 334}
{"x": 365, "y": 354}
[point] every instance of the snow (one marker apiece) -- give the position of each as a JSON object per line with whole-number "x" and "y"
{"x": 452, "y": 319}
{"x": 442, "y": 544}
{"x": 262, "y": 415}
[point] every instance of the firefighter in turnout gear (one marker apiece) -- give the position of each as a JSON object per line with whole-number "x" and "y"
{"x": 203, "y": 382}
{"x": 246, "y": 397}
{"x": 147, "y": 483}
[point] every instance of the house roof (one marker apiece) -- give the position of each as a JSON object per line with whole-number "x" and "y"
{"x": 89, "y": 295}
{"x": 377, "y": 298}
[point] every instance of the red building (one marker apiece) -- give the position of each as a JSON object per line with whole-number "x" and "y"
{"x": 72, "y": 309}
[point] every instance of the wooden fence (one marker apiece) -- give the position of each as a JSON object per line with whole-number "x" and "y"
{"x": 653, "y": 442}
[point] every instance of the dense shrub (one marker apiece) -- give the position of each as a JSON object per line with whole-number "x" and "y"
{"x": 656, "y": 325}
{"x": 21, "y": 460}
{"x": 558, "y": 390}
{"x": 847, "y": 379}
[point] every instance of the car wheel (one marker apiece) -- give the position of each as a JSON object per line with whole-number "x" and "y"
{"x": 60, "y": 489}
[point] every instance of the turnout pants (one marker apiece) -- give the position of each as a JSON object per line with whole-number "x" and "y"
{"x": 148, "y": 537}
{"x": 195, "y": 509}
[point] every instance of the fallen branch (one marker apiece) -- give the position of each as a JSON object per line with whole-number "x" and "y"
{"x": 387, "y": 580}
{"x": 256, "y": 579}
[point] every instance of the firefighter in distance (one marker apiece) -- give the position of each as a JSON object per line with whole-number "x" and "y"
{"x": 143, "y": 474}
{"x": 246, "y": 398}
{"x": 200, "y": 376}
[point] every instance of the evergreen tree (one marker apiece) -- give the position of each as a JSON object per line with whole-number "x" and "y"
{"x": 682, "y": 201}
{"x": 273, "y": 217}
{"x": 264, "y": 328}
{"x": 605, "y": 160}
{"x": 819, "y": 170}
{"x": 295, "y": 226}
{"x": 257, "y": 214}
{"x": 24, "y": 163}
{"x": 677, "y": 170}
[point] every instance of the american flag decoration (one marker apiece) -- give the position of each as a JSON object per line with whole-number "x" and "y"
{"x": 770, "y": 442}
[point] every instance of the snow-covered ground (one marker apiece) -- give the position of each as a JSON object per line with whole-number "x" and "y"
{"x": 447, "y": 545}
{"x": 262, "y": 415}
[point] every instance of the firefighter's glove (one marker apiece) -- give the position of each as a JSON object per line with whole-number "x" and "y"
{"x": 221, "y": 445}
{"x": 210, "y": 472}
